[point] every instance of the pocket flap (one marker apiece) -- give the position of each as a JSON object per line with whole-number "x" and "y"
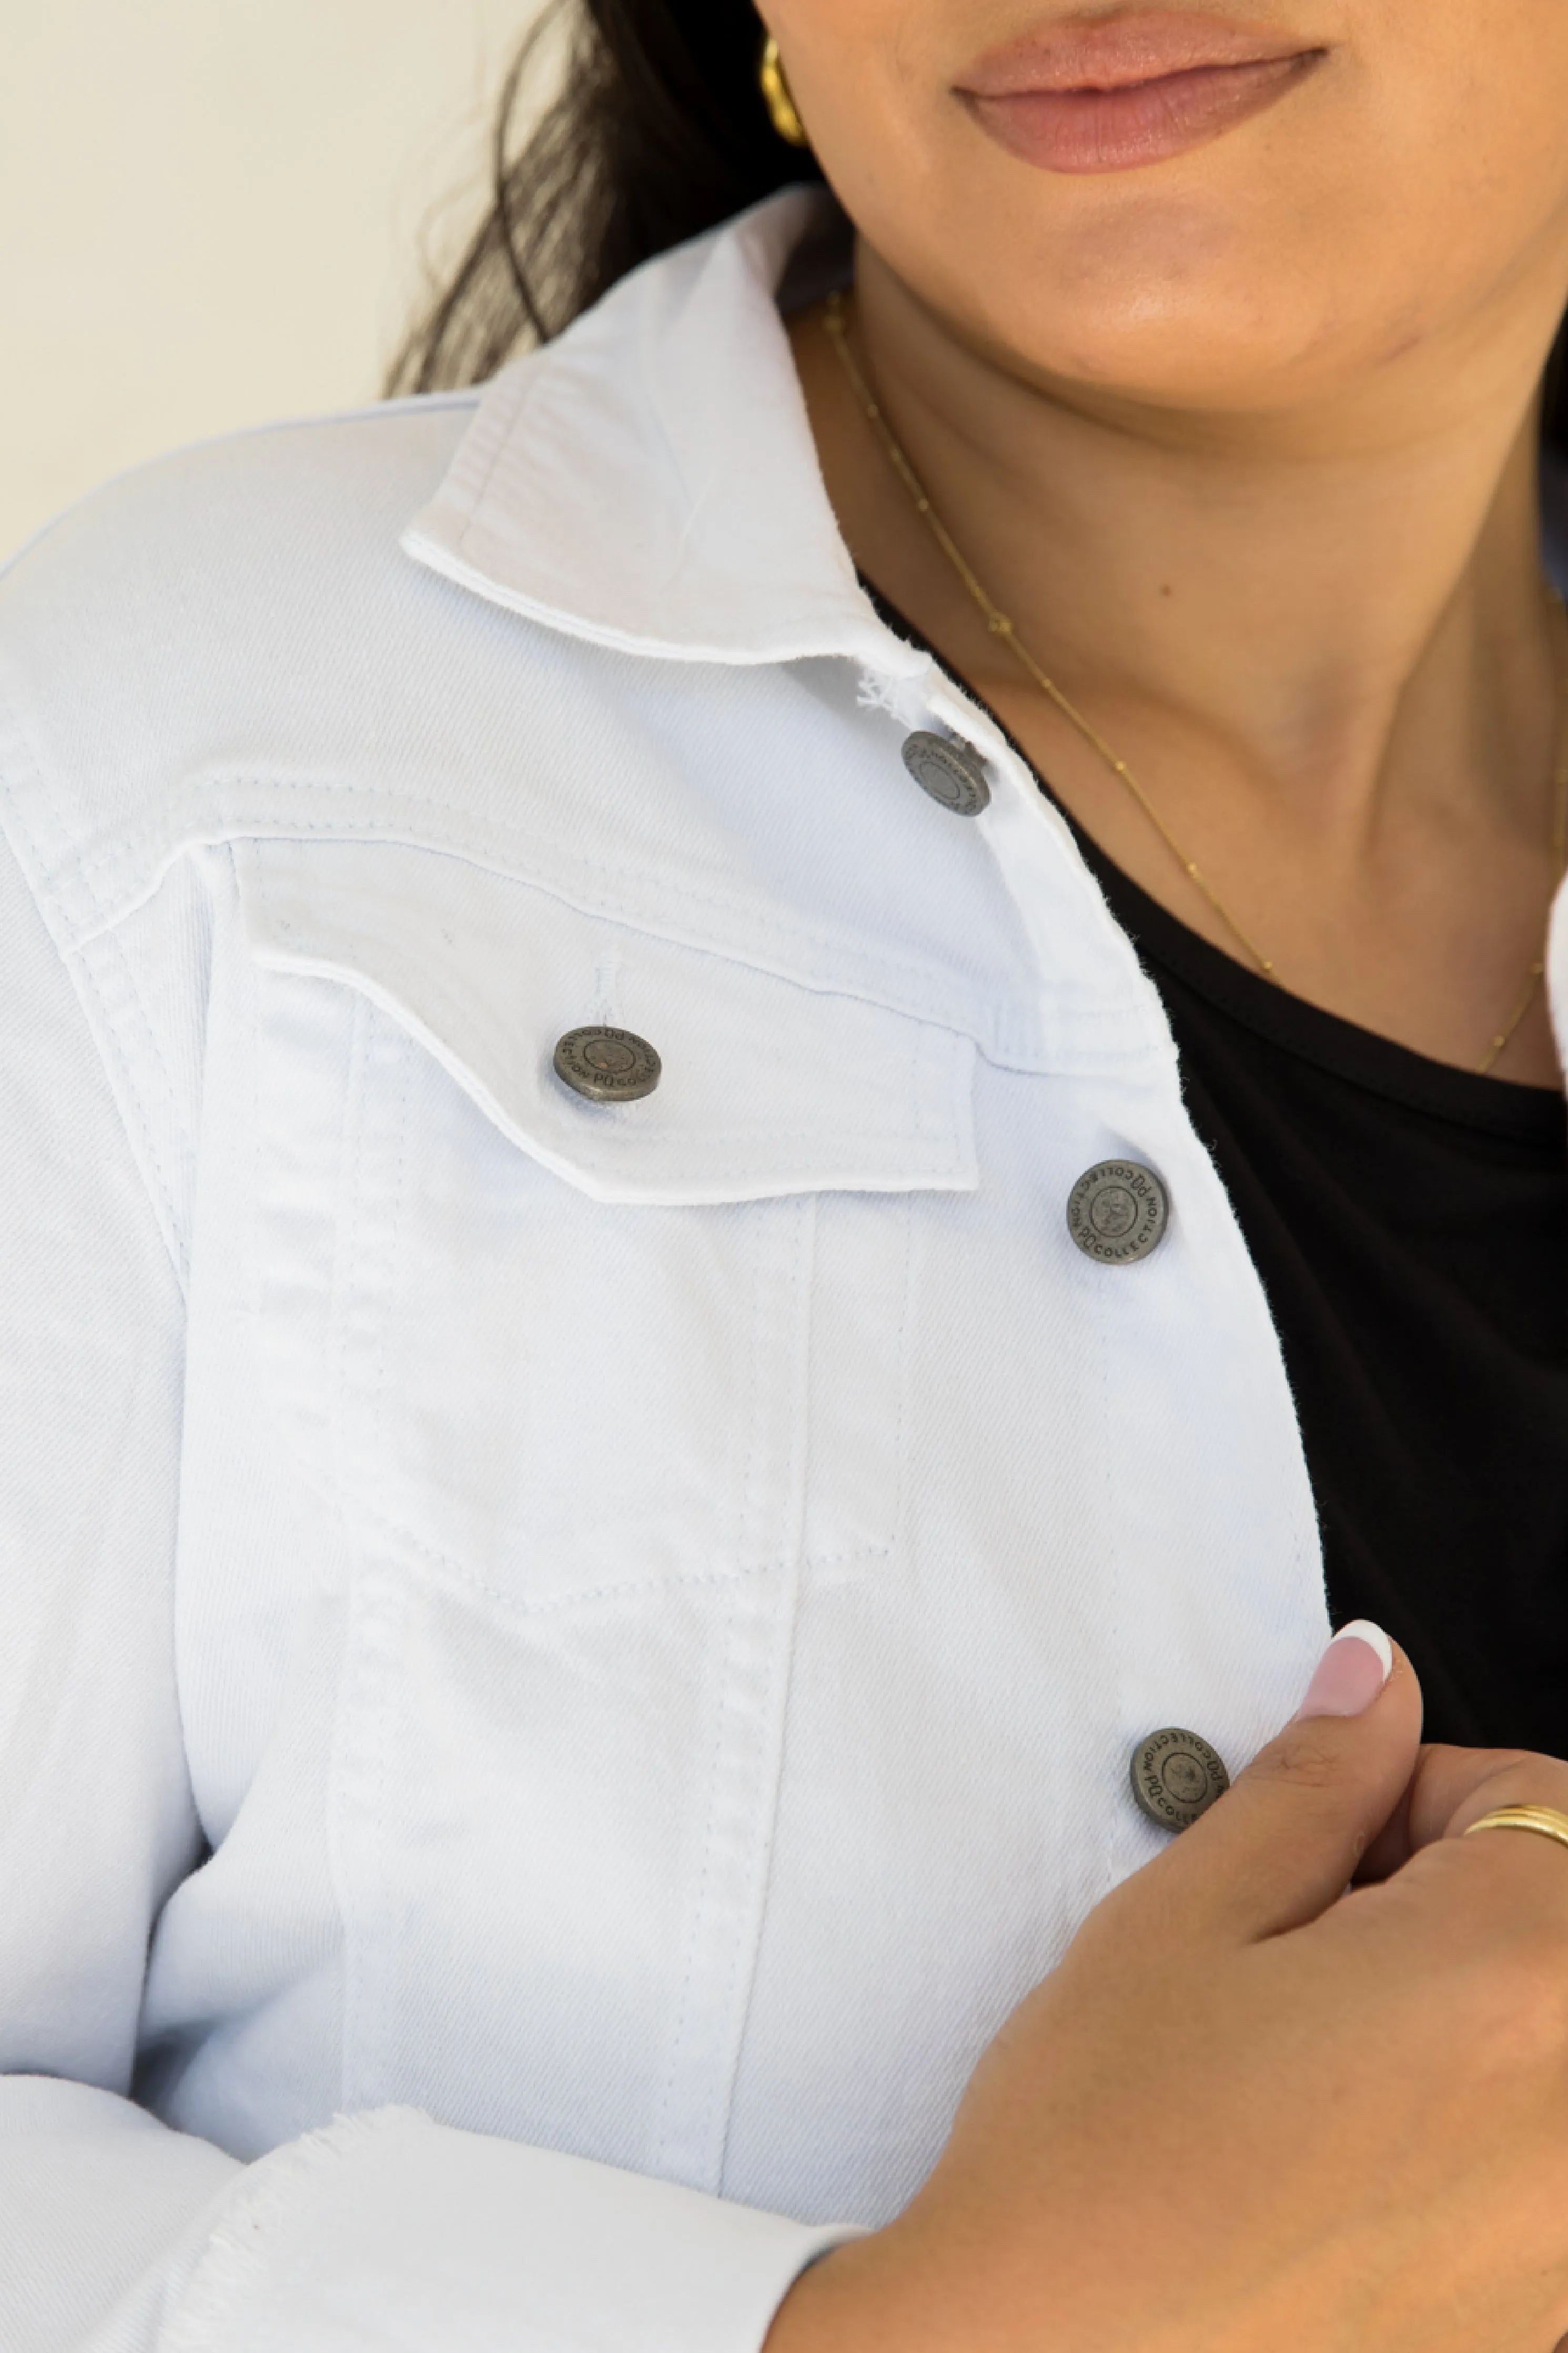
{"x": 767, "y": 1087}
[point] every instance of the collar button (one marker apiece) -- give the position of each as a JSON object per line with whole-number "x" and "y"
{"x": 950, "y": 771}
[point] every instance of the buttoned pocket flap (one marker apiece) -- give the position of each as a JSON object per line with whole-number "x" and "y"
{"x": 767, "y": 1086}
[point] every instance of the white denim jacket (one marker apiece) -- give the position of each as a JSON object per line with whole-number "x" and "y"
{"x": 561, "y": 1667}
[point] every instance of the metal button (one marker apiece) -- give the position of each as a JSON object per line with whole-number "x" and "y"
{"x": 608, "y": 1065}
{"x": 1118, "y": 1211}
{"x": 1177, "y": 1776}
{"x": 950, "y": 771}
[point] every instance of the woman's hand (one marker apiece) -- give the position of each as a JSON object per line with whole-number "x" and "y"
{"x": 1252, "y": 2111}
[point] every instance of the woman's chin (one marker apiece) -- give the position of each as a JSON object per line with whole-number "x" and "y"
{"x": 1225, "y": 341}
{"x": 1226, "y": 298}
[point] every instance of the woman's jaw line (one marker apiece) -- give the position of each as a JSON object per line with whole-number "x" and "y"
{"x": 1123, "y": 93}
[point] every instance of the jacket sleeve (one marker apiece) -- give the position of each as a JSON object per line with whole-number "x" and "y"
{"x": 118, "y": 2235}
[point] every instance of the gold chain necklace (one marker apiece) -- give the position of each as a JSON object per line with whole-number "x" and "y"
{"x": 997, "y": 622}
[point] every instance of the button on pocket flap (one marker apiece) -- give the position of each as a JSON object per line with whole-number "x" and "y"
{"x": 709, "y": 1079}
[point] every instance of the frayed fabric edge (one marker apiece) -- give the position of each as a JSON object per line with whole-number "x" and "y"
{"x": 235, "y": 2268}
{"x": 907, "y": 700}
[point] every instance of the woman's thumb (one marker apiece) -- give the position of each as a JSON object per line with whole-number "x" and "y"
{"x": 1282, "y": 1844}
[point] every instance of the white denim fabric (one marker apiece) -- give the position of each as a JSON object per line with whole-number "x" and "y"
{"x": 561, "y": 1667}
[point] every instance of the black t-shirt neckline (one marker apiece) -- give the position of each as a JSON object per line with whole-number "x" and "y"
{"x": 1362, "y": 1056}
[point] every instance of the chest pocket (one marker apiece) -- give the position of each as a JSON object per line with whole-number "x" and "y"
{"x": 556, "y": 1349}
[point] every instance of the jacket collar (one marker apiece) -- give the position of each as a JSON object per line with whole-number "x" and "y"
{"x": 649, "y": 480}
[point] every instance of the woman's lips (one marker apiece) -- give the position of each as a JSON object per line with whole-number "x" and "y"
{"x": 1092, "y": 128}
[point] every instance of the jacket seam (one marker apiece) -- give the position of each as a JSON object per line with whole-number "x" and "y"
{"x": 148, "y": 1159}
{"x": 429, "y": 1558}
{"x": 111, "y": 1058}
{"x": 487, "y": 846}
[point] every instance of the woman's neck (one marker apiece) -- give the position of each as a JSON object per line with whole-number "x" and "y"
{"x": 1319, "y": 638}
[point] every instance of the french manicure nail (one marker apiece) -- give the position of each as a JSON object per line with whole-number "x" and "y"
{"x": 1351, "y": 1673}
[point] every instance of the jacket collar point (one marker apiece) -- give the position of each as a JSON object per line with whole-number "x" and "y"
{"x": 649, "y": 483}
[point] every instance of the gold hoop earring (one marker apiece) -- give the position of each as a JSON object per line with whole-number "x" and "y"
{"x": 775, "y": 90}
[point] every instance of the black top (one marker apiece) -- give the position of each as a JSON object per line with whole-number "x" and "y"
{"x": 1410, "y": 1225}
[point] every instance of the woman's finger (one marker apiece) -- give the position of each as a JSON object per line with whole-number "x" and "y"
{"x": 1284, "y": 1840}
{"x": 1452, "y": 1787}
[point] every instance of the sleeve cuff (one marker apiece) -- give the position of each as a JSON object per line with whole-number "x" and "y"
{"x": 389, "y": 2231}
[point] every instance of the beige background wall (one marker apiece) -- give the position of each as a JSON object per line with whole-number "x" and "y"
{"x": 212, "y": 212}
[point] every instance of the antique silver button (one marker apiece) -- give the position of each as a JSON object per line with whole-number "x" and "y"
{"x": 1177, "y": 1776}
{"x": 608, "y": 1065}
{"x": 1117, "y": 1211}
{"x": 951, "y": 772}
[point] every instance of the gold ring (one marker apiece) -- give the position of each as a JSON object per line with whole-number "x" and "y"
{"x": 1544, "y": 1819}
